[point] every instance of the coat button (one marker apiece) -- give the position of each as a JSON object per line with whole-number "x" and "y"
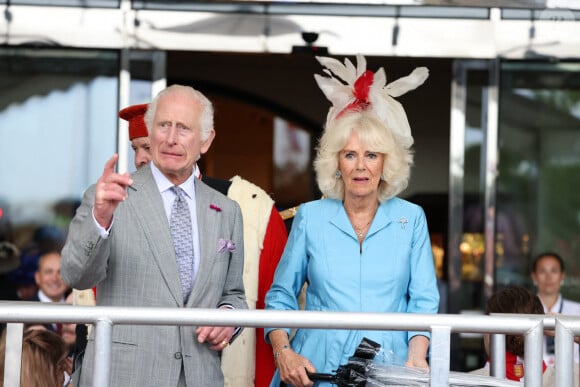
{"x": 177, "y": 355}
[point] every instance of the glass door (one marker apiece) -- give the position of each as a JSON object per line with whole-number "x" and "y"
{"x": 538, "y": 206}
{"x": 473, "y": 165}
{"x": 514, "y": 168}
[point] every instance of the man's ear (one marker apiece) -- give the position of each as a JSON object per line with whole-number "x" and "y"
{"x": 207, "y": 143}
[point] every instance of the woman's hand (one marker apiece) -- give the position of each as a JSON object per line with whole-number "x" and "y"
{"x": 417, "y": 356}
{"x": 292, "y": 368}
{"x": 417, "y": 363}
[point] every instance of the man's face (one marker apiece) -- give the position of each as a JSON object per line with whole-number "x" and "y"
{"x": 142, "y": 148}
{"x": 176, "y": 142}
{"x": 48, "y": 277}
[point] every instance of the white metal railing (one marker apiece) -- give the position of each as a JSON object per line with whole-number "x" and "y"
{"x": 440, "y": 325}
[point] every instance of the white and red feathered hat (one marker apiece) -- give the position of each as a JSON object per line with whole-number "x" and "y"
{"x": 355, "y": 88}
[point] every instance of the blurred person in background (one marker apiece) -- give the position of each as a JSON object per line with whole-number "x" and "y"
{"x": 138, "y": 133}
{"x": 20, "y": 283}
{"x": 9, "y": 261}
{"x": 51, "y": 287}
{"x": 44, "y": 356}
{"x": 548, "y": 275}
{"x": 517, "y": 300}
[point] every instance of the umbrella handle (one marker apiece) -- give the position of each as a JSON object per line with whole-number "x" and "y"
{"x": 320, "y": 376}
{"x": 317, "y": 377}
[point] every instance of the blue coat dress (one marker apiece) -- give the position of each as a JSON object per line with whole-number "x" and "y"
{"x": 394, "y": 273}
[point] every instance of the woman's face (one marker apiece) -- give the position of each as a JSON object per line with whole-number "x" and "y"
{"x": 361, "y": 169}
{"x": 548, "y": 276}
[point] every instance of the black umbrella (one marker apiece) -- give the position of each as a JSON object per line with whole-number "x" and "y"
{"x": 361, "y": 369}
{"x": 354, "y": 372}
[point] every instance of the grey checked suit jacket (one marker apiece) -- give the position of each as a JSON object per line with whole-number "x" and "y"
{"x": 135, "y": 266}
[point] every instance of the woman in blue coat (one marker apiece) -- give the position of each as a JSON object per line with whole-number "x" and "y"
{"x": 360, "y": 249}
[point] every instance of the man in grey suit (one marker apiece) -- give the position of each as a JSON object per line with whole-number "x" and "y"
{"x": 120, "y": 241}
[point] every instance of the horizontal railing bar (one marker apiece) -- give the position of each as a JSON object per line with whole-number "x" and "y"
{"x": 58, "y": 313}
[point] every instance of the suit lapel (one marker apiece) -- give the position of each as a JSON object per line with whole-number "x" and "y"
{"x": 382, "y": 219}
{"x": 147, "y": 205}
{"x": 208, "y": 226}
{"x": 340, "y": 218}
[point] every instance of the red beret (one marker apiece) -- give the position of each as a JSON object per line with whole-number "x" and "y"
{"x": 136, "y": 116}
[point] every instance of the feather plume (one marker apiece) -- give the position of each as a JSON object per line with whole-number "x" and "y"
{"x": 337, "y": 93}
{"x": 351, "y": 71}
{"x": 408, "y": 83}
{"x": 361, "y": 65}
{"x": 337, "y": 69}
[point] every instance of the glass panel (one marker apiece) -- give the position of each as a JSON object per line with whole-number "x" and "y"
{"x": 70, "y": 3}
{"x": 58, "y": 124}
{"x": 472, "y": 242}
{"x": 466, "y": 204}
{"x": 347, "y": 8}
{"x": 538, "y": 203}
{"x": 555, "y": 14}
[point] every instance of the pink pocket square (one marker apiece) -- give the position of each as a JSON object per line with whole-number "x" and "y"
{"x": 226, "y": 245}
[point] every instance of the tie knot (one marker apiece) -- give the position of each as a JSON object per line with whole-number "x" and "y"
{"x": 178, "y": 191}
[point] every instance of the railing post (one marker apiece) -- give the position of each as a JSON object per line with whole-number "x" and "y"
{"x": 497, "y": 349}
{"x": 103, "y": 343}
{"x": 439, "y": 356}
{"x": 13, "y": 356}
{"x": 564, "y": 356}
{"x": 533, "y": 356}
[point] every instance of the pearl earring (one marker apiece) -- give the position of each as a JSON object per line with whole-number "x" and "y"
{"x": 338, "y": 174}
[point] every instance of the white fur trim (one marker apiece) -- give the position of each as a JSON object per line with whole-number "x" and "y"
{"x": 238, "y": 360}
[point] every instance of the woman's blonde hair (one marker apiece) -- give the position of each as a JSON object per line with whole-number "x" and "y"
{"x": 43, "y": 358}
{"x": 375, "y": 137}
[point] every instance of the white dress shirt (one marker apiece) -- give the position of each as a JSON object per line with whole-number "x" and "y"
{"x": 566, "y": 307}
